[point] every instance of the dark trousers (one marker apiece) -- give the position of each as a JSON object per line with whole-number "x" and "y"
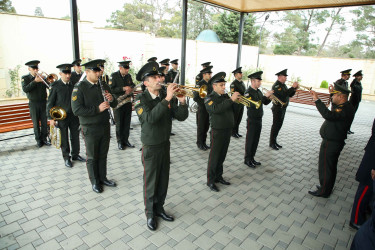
{"x": 254, "y": 128}
{"x": 123, "y": 117}
{"x": 156, "y": 163}
{"x": 355, "y": 105}
{"x": 328, "y": 158}
{"x": 362, "y": 199}
{"x": 38, "y": 115}
{"x": 97, "y": 139}
{"x": 238, "y": 112}
{"x": 71, "y": 122}
{"x": 203, "y": 124}
{"x": 278, "y": 119}
{"x": 220, "y": 139}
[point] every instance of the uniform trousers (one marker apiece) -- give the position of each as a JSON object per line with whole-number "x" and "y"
{"x": 156, "y": 164}
{"x": 362, "y": 199}
{"x": 38, "y": 114}
{"x": 97, "y": 139}
{"x": 203, "y": 124}
{"x": 123, "y": 117}
{"x": 278, "y": 119}
{"x": 254, "y": 128}
{"x": 238, "y": 113}
{"x": 220, "y": 139}
{"x": 71, "y": 122}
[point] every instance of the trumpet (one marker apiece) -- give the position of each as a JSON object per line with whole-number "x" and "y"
{"x": 50, "y": 78}
{"x": 300, "y": 86}
{"x": 57, "y": 114}
{"x": 247, "y": 101}
{"x": 188, "y": 91}
{"x": 274, "y": 99}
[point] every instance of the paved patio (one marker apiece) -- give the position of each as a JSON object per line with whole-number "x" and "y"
{"x": 45, "y": 205}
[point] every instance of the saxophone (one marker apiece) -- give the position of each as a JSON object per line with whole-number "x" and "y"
{"x": 57, "y": 114}
{"x": 125, "y": 98}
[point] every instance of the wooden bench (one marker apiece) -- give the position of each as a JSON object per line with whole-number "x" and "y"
{"x": 304, "y": 97}
{"x": 15, "y": 117}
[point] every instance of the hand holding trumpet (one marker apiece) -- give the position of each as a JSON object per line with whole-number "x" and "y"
{"x": 235, "y": 96}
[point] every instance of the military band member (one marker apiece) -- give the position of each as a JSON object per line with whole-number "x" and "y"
{"x": 89, "y": 105}
{"x": 61, "y": 96}
{"x": 165, "y": 63}
{"x": 203, "y": 122}
{"x": 356, "y": 96}
{"x": 220, "y": 108}
{"x": 282, "y": 92}
{"x": 154, "y": 108}
{"x": 343, "y": 81}
{"x": 77, "y": 73}
{"x": 36, "y": 92}
{"x": 254, "y": 118}
{"x": 199, "y": 77}
{"x": 237, "y": 86}
{"x": 174, "y": 71}
{"x": 152, "y": 59}
{"x": 333, "y": 133}
{"x": 122, "y": 84}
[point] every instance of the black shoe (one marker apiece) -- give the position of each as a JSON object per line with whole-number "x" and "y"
{"x": 78, "y": 158}
{"x": 201, "y": 147}
{"x": 108, "y": 183}
{"x": 68, "y": 163}
{"x": 249, "y": 164}
{"x": 173, "y": 133}
{"x": 151, "y": 223}
{"x": 239, "y": 135}
{"x": 222, "y": 181}
{"x": 350, "y": 132}
{"x": 39, "y": 144}
{"x": 120, "y": 146}
{"x": 206, "y": 146}
{"x": 315, "y": 193}
{"x": 97, "y": 188}
{"x": 47, "y": 143}
{"x": 235, "y": 135}
{"x": 213, "y": 187}
{"x": 129, "y": 145}
{"x": 256, "y": 163}
{"x": 273, "y": 146}
{"x": 354, "y": 226}
{"x": 278, "y": 145}
{"x": 165, "y": 216}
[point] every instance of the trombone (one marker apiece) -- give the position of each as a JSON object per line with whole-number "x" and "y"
{"x": 274, "y": 99}
{"x": 50, "y": 78}
{"x": 300, "y": 86}
{"x": 188, "y": 91}
{"x": 247, "y": 101}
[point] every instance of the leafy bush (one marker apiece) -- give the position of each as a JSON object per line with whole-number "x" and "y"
{"x": 324, "y": 84}
{"x": 14, "y": 89}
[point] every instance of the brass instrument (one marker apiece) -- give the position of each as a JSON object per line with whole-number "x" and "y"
{"x": 125, "y": 98}
{"x": 247, "y": 101}
{"x": 274, "y": 99}
{"x": 57, "y": 114}
{"x": 50, "y": 78}
{"x": 188, "y": 91}
{"x": 300, "y": 86}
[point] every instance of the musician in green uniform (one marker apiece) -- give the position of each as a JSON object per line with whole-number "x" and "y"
{"x": 89, "y": 104}
{"x": 122, "y": 87}
{"x": 333, "y": 133}
{"x": 254, "y": 117}
{"x": 237, "y": 86}
{"x": 154, "y": 108}
{"x": 345, "y": 75}
{"x": 165, "y": 63}
{"x": 77, "y": 73}
{"x": 199, "y": 77}
{"x": 203, "y": 122}
{"x": 282, "y": 92}
{"x": 220, "y": 108}
{"x": 61, "y": 96}
{"x": 36, "y": 92}
{"x": 172, "y": 73}
{"x": 356, "y": 96}
{"x": 152, "y": 59}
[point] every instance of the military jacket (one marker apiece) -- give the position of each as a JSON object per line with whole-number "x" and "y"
{"x": 342, "y": 82}
{"x": 197, "y": 98}
{"x": 172, "y": 75}
{"x": 35, "y": 91}
{"x": 255, "y": 95}
{"x": 198, "y": 78}
{"x": 60, "y": 95}
{"x": 220, "y": 109}
{"x": 337, "y": 121}
{"x": 155, "y": 117}
{"x": 75, "y": 77}
{"x": 356, "y": 88}
{"x": 86, "y": 98}
{"x": 119, "y": 82}
{"x": 238, "y": 86}
{"x": 282, "y": 92}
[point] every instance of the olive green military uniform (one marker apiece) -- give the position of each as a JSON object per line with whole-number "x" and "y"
{"x": 156, "y": 125}
{"x": 36, "y": 92}
{"x": 342, "y": 83}
{"x": 254, "y": 122}
{"x": 75, "y": 77}
{"x": 172, "y": 75}
{"x": 86, "y": 98}
{"x": 282, "y": 92}
{"x": 237, "y": 86}
{"x": 333, "y": 132}
{"x": 356, "y": 96}
{"x": 198, "y": 78}
{"x": 61, "y": 96}
{"x": 203, "y": 122}
{"x": 220, "y": 109}
{"x": 122, "y": 114}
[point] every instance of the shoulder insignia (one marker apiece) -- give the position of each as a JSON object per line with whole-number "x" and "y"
{"x": 276, "y": 86}
{"x": 137, "y": 102}
{"x": 338, "y": 110}
{"x": 246, "y": 94}
{"x": 139, "y": 111}
{"x": 279, "y": 89}
{"x": 210, "y": 103}
{"x": 207, "y": 99}
{"x": 23, "y": 80}
{"x": 74, "y": 98}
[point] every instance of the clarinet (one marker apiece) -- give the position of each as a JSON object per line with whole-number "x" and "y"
{"x": 106, "y": 100}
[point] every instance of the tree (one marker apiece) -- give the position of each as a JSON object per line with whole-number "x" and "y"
{"x": 227, "y": 28}
{"x": 200, "y": 17}
{"x": 6, "y": 6}
{"x": 38, "y": 12}
{"x": 68, "y": 16}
